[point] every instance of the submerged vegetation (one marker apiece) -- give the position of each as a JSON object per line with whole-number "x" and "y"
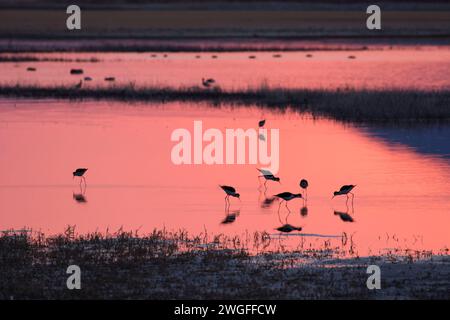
{"x": 175, "y": 265}
{"x": 357, "y": 105}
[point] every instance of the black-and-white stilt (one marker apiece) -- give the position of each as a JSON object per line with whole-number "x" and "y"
{"x": 80, "y": 173}
{"x": 267, "y": 175}
{"x": 287, "y": 196}
{"x": 261, "y": 123}
{"x": 230, "y": 191}
{"x": 345, "y": 190}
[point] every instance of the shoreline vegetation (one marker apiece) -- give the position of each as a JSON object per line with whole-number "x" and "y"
{"x": 31, "y": 58}
{"x": 176, "y": 265}
{"x": 347, "y": 104}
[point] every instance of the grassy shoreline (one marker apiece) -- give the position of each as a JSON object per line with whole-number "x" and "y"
{"x": 353, "y": 105}
{"x": 175, "y": 265}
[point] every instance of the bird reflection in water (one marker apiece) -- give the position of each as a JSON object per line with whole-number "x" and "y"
{"x": 80, "y": 197}
{"x": 231, "y": 217}
{"x": 266, "y": 201}
{"x": 286, "y": 227}
{"x": 304, "y": 211}
{"x": 344, "y": 216}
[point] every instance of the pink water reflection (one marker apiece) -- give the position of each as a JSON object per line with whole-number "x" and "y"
{"x": 133, "y": 183}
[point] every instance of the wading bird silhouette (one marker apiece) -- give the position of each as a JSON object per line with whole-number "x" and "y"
{"x": 208, "y": 82}
{"x": 261, "y": 123}
{"x": 80, "y": 173}
{"x": 230, "y": 191}
{"x": 267, "y": 175}
{"x": 345, "y": 190}
{"x": 287, "y": 196}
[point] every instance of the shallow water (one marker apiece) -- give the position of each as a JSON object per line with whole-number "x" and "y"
{"x": 402, "y": 195}
{"x": 408, "y": 68}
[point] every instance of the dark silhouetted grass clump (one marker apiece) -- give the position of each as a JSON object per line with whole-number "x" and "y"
{"x": 31, "y": 58}
{"x": 357, "y": 105}
{"x": 175, "y": 265}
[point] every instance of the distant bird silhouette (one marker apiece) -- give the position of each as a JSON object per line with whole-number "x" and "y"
{"x": 261, "y": 123}
{"x": 304, "y": 185}
{"x": 78, "y": 85}
{"x": 31, "y": 69}
{"x": 287, "y": 196}
{"x": 276, "y": 55}
{"x": 87, "y": 79}
{"x": 344, "y": 216}
{"x": 208, "y": 82}
{"x": 252, "y": 57}
{"x": 288, "y": 228}
{"x": 80, "y": 173}
{"x": 230, "y": 191}
{"x": 76, "y": 71}
{"x": 267, "y": 175}
{"x": 110, "y": 79}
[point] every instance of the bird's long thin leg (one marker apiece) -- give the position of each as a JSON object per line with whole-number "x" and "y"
{"x": 287, "y": 207}
{"x": 286, "y": 220}
{"x": 259, "y": 181}
{"x": 279, "y": 218}
{"x": 265, "y": 185}
{"x": 279, "y": 206}
{"x": 226, "y": 204}
{"x": 353, "y": 196}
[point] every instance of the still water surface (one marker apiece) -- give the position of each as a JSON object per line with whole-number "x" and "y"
{"x": 402, "y": 195}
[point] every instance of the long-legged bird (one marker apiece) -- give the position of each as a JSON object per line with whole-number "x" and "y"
{"x": 267, "y": 175}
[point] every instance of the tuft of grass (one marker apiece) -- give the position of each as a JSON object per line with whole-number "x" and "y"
{"x": 177, "y": 265}
{"x": 348, "y": 104}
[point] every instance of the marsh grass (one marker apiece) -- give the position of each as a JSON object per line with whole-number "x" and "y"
{"x": 347, "y": 104}
{"x": 176, "y": 265}
{"x": 31, "y": 58}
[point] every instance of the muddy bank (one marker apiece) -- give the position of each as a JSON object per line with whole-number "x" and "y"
{"x": 175, "y": 266}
